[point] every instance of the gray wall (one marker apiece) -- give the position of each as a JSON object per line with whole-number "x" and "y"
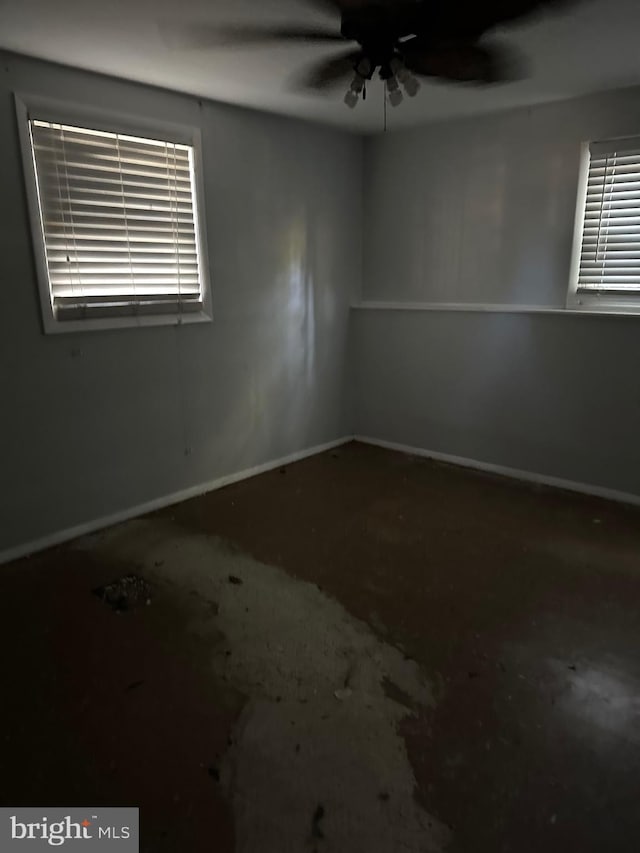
{"x": 95, "y": 423}
{"x": 482, "y": 211}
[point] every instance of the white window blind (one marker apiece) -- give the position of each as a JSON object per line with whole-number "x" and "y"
{"x": 119, "y": 222}
{"x": 610, "y": 252}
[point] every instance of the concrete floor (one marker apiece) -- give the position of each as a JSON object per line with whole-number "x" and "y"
{"x": 364, "y": 651}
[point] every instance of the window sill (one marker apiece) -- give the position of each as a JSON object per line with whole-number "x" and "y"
{"x": 94, "y": 324}
{"x": 594, "y": 304}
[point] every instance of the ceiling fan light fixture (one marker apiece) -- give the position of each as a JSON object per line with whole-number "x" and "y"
{"x": 351, "y": 99}
{"x": 411, "y": 86}
{"x": 364, "y": 68}
{"x": 395, "y": 98}
{"x": 397, "y": 67}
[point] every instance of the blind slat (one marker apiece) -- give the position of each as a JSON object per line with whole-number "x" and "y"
{"x": 627, "y": 159}
{"x": 50, "y": 139}
{"x": 86, "y": 160}
{"x": 108, "y": 254}
{"x": 94, "y": 274}
{"x": 137, "y": 218}
{"x": 130, "y": 183}
{"x": 107, "y": 206}
{"x": 617, "y": 220}
{"x": 615, "y": 234}
{"x": 119, "y": 183}
{"x": 613, "y": 263}
{"x": 103, "y": 168}
{"x": 613, "y": 252}
{"x": 119, "y": 220}
{"x": 109, "y": 228}
{"x": 120, "y": 287}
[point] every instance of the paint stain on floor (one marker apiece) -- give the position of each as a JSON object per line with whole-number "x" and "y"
{"x": 316, "y": 760}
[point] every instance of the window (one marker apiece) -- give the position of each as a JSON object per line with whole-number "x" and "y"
{"x": 117, "y": 220}
{"x": 606, "y": 268}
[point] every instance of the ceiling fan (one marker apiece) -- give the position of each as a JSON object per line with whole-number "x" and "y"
{"x": 400, "y": 39}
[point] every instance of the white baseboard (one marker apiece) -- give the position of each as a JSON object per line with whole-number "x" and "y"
{"x": 61, "y": 536}
{"x": 160, "y": 503}
{"x": 514, "y": 473}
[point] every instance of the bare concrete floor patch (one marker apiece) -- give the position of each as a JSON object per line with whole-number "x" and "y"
{"x": 315, "y": 761}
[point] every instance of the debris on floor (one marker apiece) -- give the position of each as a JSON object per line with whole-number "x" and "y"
{"x": 343, "y": 693}
{"x": 126, "y": 593}
{"x": 316, "y": 829}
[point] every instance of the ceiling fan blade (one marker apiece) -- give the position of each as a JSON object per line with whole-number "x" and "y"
{"x": 334, "y": 6}
{"x": 258, "y": 35}
{"x": 340, "y": 6}
{"x": 495, "y": 12}
{"x": 327, "y": 73}
{"x": 238, "y": 36}
{"x": 470, "y": 19}
{"x": 463, "y": 62}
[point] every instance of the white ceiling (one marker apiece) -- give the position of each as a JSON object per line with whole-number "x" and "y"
{"x": 592, "y": 47}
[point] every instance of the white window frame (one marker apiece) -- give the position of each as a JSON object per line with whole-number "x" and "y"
{"x": 61, "y": 112}
{"x": 599, "y": 303}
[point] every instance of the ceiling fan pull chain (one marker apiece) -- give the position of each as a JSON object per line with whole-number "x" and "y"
{"x": 384, "y": 101}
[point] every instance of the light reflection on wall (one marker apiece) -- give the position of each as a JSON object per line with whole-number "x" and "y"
{"x": 300, "y": 299}
{"x": 288, "y": 322}
{"x": 284, "y": 364}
